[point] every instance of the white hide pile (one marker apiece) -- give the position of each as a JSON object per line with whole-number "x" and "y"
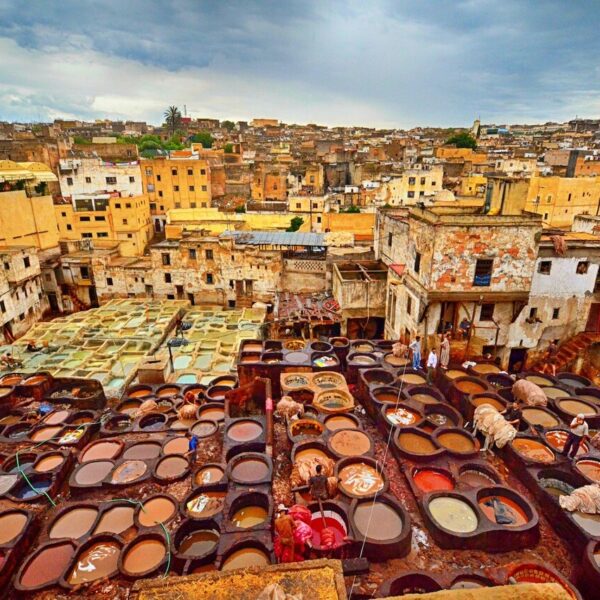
{"x": 287, "y": 407}
{"x": 528, "y": 393}
{"x": 491, "y": 423}
{"x": 585, "y": 499}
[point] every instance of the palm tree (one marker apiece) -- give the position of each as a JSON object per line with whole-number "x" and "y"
{"x": 172, "y": 118}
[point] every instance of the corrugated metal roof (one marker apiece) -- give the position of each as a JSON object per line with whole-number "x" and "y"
{"x": 276, "y": 238}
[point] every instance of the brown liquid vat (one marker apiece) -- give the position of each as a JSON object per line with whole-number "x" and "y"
{"x": 171, "y": 468}
{"x": 412, "y": 582}
{"x": 248, "y": 553}
{"x": 91, "y": 474}
{"x": 127, "y": 472}
{"x": 143, "y": 451}
{"x": 45, "y": 566}
{"x": 413, "y": 443}
{"x": 457, "y": 441}
{"x": 116, "y": 517}
{"x": 204, "y": 428}
{"x": 212, "y": 411}
{"x": 334, "y": 422}
{"x": 250, "y": 468}
{"x": 14, "y": 523}
{"x": 197, "y": 541}
{"x": 73, "y": 522}
{"x": 101, "y": 450}
{"x": 205, "y": 502}
{"x": 350, "y": 442}
{"x": 97, "y": 558}
{"x": 305, "y": 428}
{"x": 144, "y": 556}
{"x": 425, "y": 394}
{"x": 49, "y": 462}
{"x": 248, "y": 511}
{"x": 532, "y": 450}
{"x": 155, "y": 510}
{"x": 209, "y": 473}
{"x": 360, "y": 477}
{"x": 243, "y": 430}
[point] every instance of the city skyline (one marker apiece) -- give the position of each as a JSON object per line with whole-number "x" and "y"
{"x": 386, "y": 65}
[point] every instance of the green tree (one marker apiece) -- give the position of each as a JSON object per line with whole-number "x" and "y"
{"x": 462, "y": 140}
{"x": 172, "y": 118}
{"x": 229, "y": 125}
{"x": 228, "y": 148}
{"x": 295, "y": 224}
{"x": 203, "y": 138}
{"x": 240, "y": 209}
{"x": 350, "y": 209}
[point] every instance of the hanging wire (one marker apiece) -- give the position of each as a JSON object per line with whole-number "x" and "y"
{"x": 387, "y": 447}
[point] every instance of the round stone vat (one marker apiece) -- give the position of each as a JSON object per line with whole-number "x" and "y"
{"x": 11, "y": 379}
{"x": 128, "y": 472}
{"x": 81, "y": 417}
{"x": 25, "y": 462}
{"x": 341, "y": 421}
{"x": 154, "y": 421}
{"x": 557, "y": 438}
{"x": 350, "y": 442}
{"x": 407, "y": 377}
{"x": 204, "y": 428}
{"x": 328, "y": 380}
{"x": 503, "y": 506}
{"x": 324, "y": 360}
{"x": 144, "y": 556}
{"x": 483, "y": 369}
{"x": 573, "y": 381}
{"x": 101, "y": 450}
{"x": 97, "y": 558}
{"x": 305, "y": 428}
{"x": 538, "y": 378}
{"x": 554, "y": 392}
{"x": 362, "y": 346}
{"x": 250, "y": 468}
{"x": 386, "y": 395}
{"x": 212, "y": 411}
{"x": 216, "y": 393}
{"x": 498, "y": 380}
{"x": 457, "y": 441}
{"x": 530, "y": 572}
{"x": 209, "y": 474}
{"x": 139, "y": 391}
{"x": 532, "y": 450}
{"x": 170, "y": 390}
{"x": 340, "y": 342}
{"x": 425, "y": 394}
{"x": 117, "y": 424}
{"x": 476, "y": 475}
{"x": 171, "y": 468}
{"x": 248, "y": 553}
{"x": 499, "y": 403}
{"x": 333, "y": 401}
{"x": 205, "y": 502}
{"x": 360, "y": 477}
{"x": 45, "y": 566}
{"x": 378, "y": 377}
{"x": 13, "y": 525}
{"x": 294, "y": 381}
{"x": 557, "y": 482}
{"x": 197, "y": 541}
{"x": 401, "y": 416}
{"x": 49, "y": 462}
{"x": 18, "y": 431}
{"x": 361, "y": 359}
{"x": 413, "y": 582}
{"x": 116, "y": 517}
{"x": 396, "y": 362}
{"x": 130, "y": 406}
{"x": 34, "y": 489}
{"x": 250, "y": 357}
{"x": 56, "y": 417}
{"x": 73, "y": 522}
{"x": 243, "y": 431}
{"x": 228, "y": 381}
{"x": 442, "y": 415}
{"x": 506, "y": 393}
{"x": 143, "y": 451}
{"x": 538, "y": 415}
{"x": 178, "y": 445}
{"x": 589, "y": 468}
{"x": 463, "y": 387}
{"x": 470, "y": 581}
{"x": 452, "y": 513}
{"x": 382, "y": 525}
{"x": 591, "y": 394}
{"x": 155, "y": 510}
{"x": 570, "y": 407}
{"x": 335, "y": 518}
{"x": 413, "y": 443}
{"x": 91, "y": 474}
{"x": 432, "y": 479}
{"x": 321, "y": 347}
{"x": 271, "y": 357}
{"x": 250, "y": 511}
{"x": 45, "y": 434}
{"x": 252, "y": 346}
{"x": 310, "y": 449}
{"x": 590, "y": 580}
{"x": 196, "y": 390}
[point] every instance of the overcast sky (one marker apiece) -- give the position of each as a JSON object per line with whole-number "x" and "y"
{"x": 369, "y": 62}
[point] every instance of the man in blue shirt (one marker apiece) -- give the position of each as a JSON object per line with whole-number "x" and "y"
{"x": 193, "y": 447}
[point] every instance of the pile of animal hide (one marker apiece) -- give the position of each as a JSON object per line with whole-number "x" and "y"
{"x": 491, "y": 423}
{"x": 146, "y": 407}
{"x": 287, "y": 407}
{"x": 529, "y": 393}
{"x": 305, "y": 468}
{"x": 399, "y": 350}
{"x": 595, "y": 441}
{"x": 187, "y": 412}
{"x": 275, "y": 592}
{"x": 585, "y": 499}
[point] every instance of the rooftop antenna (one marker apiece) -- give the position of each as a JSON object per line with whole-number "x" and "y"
{"x": 185, "y": 110}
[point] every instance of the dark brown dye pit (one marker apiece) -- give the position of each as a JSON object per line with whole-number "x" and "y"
{"x": 142, "y": 451}
{"x": 129, "y": 471}
{"x": 74, "y": 523}
{"x": 199, "y": 543}
{"x": 156, "y": 510}
{"x": 209, "y": 475}
{"x": 244, "y": 431}
{"x": 116, "y": 520}
{"x": 48, "y": 565}
{"x": 144, "y": 555}
{"x": 245, "y": 557}
{"x": 99, "y": 560}
{"x": 11, "y": 526}
{"x": 56, "y": 417}
{"x": 101, "y": 450}
{"x": 94, "y": 472}
{"x": 172, "y": 467}
{"x": 178, "y": 445}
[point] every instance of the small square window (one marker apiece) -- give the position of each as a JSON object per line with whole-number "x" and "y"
{"x": 190, "y": 171}
{"x": 412, "y": 180}
{"x": 202, "y": 171}
{"x": 173, "y": 171}
{"x": 111, "y": 181}
{"x": 533, "y": 313}
{"x": 69, "y": 227}
{"x": 544, "y": 267}
{"x": 118, "y": 205}
{"x": 192, "y": 205}
{"x": 88, "y": 180}
{"x": 130, "y": 235}
{"x": 128, "y": 205}
{"x": 27, "y": 262}
{"x": 209, "y": 254}
{"x": 109, "y": 281}
{"x": 124, "y": 221}
{"x": 487, "y": 312}
{"x": 69, "y": 181}
{"x": 191, "y": 188}
{"x": 204, "y": 188}
{"x": 158, "y": 178}
{"x": 483, "y": 272}
{"x": 167, "y": 277}
{"x": 209, "y": 278}
{"x": 298, "y": 205}
{"x": 555, "y": 313}
{"x": 63, "y": 214}
{"x": 160, "y": 194}
{"x": 582, "y": 267}
{"x": 166, "y": 259}
{"x": 422, "y": 180}
{"x": 192, "y": 253}
{"x": 410, "y": 194}
{"x": 417, "y": 262}
{"x": 177, "y": 204}
{"x": 175, "y": 188}
{"x": 409, "y": 304}
{"x": 131, "y": 179}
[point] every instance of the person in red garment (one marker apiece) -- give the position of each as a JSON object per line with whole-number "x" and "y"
{"x": 284, "y": 536}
